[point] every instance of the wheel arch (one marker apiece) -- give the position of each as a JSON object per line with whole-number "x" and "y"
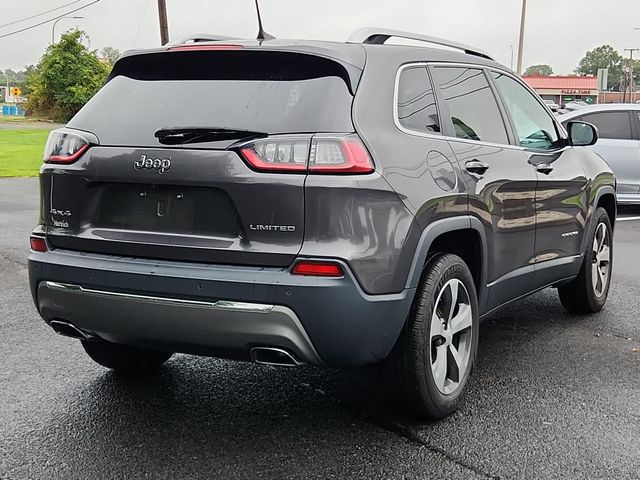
{"x": 605, "y": 197}
{"x": 462, "y": 236}
{"x": 607, "y": 200}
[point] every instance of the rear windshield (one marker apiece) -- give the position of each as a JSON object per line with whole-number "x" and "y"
{"x": 255, "y": 91}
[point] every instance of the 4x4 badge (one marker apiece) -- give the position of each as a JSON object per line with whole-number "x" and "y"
{"x": 146, "y": 163}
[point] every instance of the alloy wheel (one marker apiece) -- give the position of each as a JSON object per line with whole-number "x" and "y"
{"x": 451, "y": 336}
{"x": 601, "y": 255}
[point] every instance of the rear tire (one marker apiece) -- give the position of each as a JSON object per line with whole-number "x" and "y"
{"x": 429, "y": 367}
{"x": 588, "y": 292}
{"x": 124, "y": 358}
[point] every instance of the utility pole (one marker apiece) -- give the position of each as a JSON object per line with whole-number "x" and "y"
{"x": 521, "y": 43}
{"x": 631, "y": 82}
{"x": 164, "y": 25}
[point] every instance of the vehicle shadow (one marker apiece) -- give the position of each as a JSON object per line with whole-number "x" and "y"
{"x": 212, "y": 414}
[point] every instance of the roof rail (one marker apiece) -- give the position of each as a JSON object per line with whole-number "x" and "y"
{"x": 200, "y": 37}
{"x": 378, "y": 36}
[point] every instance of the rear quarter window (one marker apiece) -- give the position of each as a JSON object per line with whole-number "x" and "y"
{"x": 416, "y": 104}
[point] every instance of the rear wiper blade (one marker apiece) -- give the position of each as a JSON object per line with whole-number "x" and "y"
{"x": 184, "y": 135}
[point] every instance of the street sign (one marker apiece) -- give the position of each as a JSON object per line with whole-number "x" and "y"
{"x": 603, "y": 79}
{"x": 15, "y": 91}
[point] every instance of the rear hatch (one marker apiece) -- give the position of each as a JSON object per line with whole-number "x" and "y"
{"x": 164, "y": 175}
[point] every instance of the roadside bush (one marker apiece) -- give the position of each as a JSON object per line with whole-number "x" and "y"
{"x": 66, "y": 77}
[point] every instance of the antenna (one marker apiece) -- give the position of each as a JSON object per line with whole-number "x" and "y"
{"x": 262, "y": 35}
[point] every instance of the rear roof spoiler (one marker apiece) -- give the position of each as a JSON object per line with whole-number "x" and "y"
{"x": 200, "y": 37}
{"x": 378, "y": 36}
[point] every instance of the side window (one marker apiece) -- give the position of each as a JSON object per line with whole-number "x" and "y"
{"x": 534, "y": 126}
{"x": 416, "y": 101}
{"x": 472, "y": 106}
{"x": 615, "y": 125}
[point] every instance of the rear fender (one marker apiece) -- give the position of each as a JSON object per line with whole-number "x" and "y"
{"x": 433, "y": 231}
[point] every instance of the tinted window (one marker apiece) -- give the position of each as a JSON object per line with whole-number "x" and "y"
{"x": 261, "y": 92}
{"x": 473, "y": 108}
{"x": 416, "y": 102}
{"x": 611, "y": 124}
{"x": 534, "y": 126}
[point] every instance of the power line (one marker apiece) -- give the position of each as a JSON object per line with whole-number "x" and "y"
{"x": 146, "y": 4}
{"x": 48, "y": 21}
{"x": 39, "y": 14}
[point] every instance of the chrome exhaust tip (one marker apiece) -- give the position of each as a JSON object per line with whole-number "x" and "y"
{"x": 66, "y": 329}
{"x": 273, "y": 356}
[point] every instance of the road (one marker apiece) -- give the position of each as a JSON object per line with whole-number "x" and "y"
{"x": 554, "y": 396}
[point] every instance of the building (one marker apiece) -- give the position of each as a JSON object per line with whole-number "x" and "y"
{"x": 619, "y": 97}
{"x": 563, "y": 90}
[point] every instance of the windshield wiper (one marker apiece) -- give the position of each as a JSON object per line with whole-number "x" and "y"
{"x": 184, "y": 135}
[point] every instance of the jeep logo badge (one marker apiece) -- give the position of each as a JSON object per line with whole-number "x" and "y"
{"x": 146, "y": 163}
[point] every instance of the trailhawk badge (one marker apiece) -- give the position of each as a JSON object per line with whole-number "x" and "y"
{"x": 161, "y": 165}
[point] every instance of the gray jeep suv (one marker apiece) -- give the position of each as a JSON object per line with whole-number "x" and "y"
{"x": 301, "y": 202}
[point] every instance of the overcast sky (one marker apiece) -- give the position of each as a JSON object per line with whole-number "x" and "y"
{"x": 558, "y": 32}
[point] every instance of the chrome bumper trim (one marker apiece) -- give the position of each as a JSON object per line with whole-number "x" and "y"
{"x": 219, "y": 304}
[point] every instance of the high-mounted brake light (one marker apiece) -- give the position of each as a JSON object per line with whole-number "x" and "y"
{"x": 317, "y": 269}
{"x": 318, "y": 154}
{"x": 64, "y": 147}
{"x": 38, "y": 244}
{"x": 198, "y": 47}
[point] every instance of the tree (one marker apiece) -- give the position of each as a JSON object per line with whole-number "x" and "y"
{"x": 111, "y": 54}
{"x": 540, "y": 70}
{"x": 602, "y": 57}
{"x": 15, "y": 79}
{"x": 66, "y": 77}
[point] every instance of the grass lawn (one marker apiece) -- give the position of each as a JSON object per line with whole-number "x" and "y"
{"x": 21, "y": 151}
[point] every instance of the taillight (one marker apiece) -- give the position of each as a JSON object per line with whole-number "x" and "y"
{"x": 317, "y": 269}
{"x": 64, "y": 147}
{"x": 278, "y": 154}
{"x": 38, "y": 244}
{"x": 345, "y": 154}
{"x": 321, "y": 154}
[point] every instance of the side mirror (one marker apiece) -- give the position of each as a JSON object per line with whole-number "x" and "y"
{"x": 582, "y": 134}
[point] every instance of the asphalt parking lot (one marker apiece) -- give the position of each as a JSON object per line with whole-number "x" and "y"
{"x": 554, "y": 396}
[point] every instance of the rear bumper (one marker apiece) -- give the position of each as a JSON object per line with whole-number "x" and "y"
{"x": 217, "y": 310}
{"x": 168, "y": 323}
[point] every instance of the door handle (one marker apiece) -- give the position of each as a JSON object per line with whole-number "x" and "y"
{"x": 544, "y": 168}
{"x": 476, "y": 166}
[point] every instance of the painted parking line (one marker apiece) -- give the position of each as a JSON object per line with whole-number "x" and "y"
{"x": 627, "y": 219}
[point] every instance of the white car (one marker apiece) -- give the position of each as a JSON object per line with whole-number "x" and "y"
{"x": 552, "y": 105}
{"x": 619, "y": 142}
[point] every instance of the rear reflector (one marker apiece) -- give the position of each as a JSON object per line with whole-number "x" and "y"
{"x": 38, "y": 244}
{"x": 318, "y": 269}
{"x": 319, "y": 154}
